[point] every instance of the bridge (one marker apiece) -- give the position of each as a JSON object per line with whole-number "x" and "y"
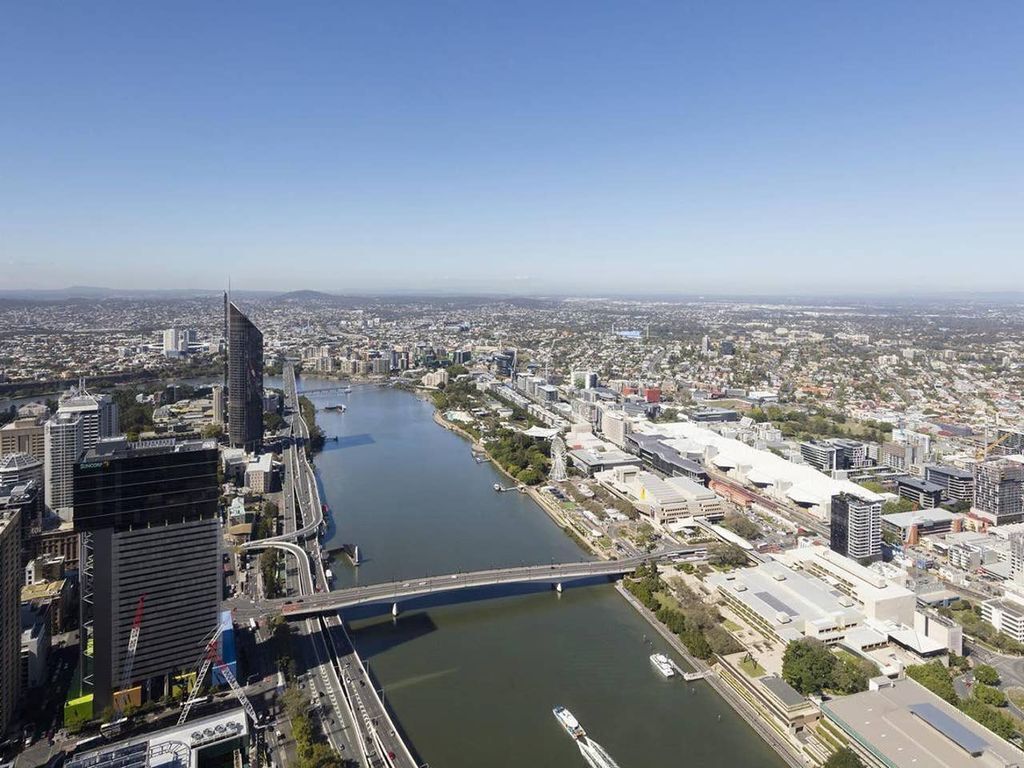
{"x": 393, "y": 592}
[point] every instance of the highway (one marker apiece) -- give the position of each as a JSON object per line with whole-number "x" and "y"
{"x": 362, "y": 719}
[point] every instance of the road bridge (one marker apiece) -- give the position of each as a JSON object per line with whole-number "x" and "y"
{"x": 394, "y": 592}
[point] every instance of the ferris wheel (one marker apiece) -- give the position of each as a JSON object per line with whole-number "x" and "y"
{"x": 558, "y": 471}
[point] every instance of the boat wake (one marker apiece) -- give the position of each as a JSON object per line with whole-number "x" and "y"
{"x": 595, "y": 755}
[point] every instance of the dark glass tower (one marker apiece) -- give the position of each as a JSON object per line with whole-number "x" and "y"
{"x": 148, "y": 527}
{"x": 245, "y": 381}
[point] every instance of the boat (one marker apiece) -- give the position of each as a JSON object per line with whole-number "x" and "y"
{"x": 569, "y": 723}
{"x": 347, "y": 390}
{"x": 497, "y": 487}
{"x": 663, "y": 664}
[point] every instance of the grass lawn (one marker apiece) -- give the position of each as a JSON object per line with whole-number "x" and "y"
{"x": 667, "y": 601}
{"x": 732, "y": 626}
{"x": 752, "y": 668}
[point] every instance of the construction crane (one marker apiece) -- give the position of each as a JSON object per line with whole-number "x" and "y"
{"x": 983, "y": 451}
{"x": 211, "y": 658}
{"x": 121, "y": 697}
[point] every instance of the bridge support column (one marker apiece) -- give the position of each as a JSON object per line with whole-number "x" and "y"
{"x": 558, "y": 587}
{"x": 394, "y": 610}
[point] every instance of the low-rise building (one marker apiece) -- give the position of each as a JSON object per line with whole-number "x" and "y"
{"x": 1006, "y": 614}
{"x": 901, "y": 724}
{"x": 910, "y": 526}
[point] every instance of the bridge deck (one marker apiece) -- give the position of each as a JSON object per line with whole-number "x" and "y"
{"x": 395, "y": 591}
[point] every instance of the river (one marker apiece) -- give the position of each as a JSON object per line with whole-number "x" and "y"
{"x": 472, "y": 682}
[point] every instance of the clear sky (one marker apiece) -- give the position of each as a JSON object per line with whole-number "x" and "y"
{"x": 531, "y": 147}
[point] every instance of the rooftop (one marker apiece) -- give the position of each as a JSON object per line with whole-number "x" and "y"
{"x": 906, "y": 726}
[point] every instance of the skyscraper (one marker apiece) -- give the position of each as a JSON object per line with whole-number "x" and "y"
{"x": 999, "y": 492}
{"x": 147, "y": 516}
{"x": 63, "y": 437}
{"x": 10, "y": 612}
{"x": 245, "y": 381}
{"x": 856, "y": 527}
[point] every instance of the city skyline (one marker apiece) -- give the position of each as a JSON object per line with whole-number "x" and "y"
{"x": 578, "y": 150}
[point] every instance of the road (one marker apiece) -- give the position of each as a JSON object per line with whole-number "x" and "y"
{"x": 396, "y": 591}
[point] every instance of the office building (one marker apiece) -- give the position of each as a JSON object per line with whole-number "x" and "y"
{"x": 98, "y": 414}
{"x": 23, "y": 435}
{"x": 10, "y": 616}
{"x": 1006, "y": 615}
{"x": 998, "y": 492}
{"x": 64, "y": 444}
{"x": 957, "y": 484}
{"x": 26, "y": 499}
{"x": 19, "y": 468}
{"x": 147, "y": 516}
{"x": 245, "y": 380}
{"x": 926, "y": 495}
{"x": 856, "y": 527}
{"x": 909, "y": 527}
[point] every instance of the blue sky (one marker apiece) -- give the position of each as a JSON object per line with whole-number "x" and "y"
{"x": 532, "y": 147}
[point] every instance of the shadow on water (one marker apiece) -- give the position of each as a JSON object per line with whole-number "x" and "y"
{"x": 348, "y": 441}
{"x": 382, "y": 633}
{"x": 461, "y": 596}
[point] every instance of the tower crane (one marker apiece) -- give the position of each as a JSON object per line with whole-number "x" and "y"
{"x": 211, "y": 658}
{"x": 121, "y": 698}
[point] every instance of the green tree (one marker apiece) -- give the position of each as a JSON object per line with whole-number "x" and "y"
{"x": 844, "y": 757}
{"x": 998, "y": 722}
{"x": 214, "y": 431}
{"x": 742, "y": 526}
{"x": 986, "y": 694}
{"x": 724, "y": 554}
{"x": 808, "y": 665}
{"x": 985, "y": 673}
{"x": 935, "y": 677}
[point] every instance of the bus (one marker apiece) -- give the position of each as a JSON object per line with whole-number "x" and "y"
{"x": 253, "y": 625}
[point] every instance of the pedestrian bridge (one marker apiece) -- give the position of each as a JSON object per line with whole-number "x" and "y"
{"x": 393, "y": 592}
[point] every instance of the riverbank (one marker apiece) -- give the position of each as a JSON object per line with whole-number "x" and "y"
{"x": 742, "y": 708}
{"x": 545, "y": 503}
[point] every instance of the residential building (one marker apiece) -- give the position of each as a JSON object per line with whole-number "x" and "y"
{"x": 436, "y": 379}
{"x": 856, "y": 527}
{"x": 23, "y": 435}
{"x": 10, "y": 617}
{"x": 64, "y": 444}
{"x": 957, "y": 484}
{"x": 926, "y": 495}
{"x": 147, "y": 515}
{"x": 998, "y": 492}
{"x": 837, "y": 454}
{"x": 245, "y": 380}
{"x": 217, "y": 396}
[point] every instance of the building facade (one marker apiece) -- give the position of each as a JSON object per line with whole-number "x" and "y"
{"x": 64, "y": 444}
{"x": 147, "y": 516}
{"x": 856, "y": 527}
{"x": 10, "y": 617}
{"x": 999, "y": 492}
{"x": 245, "y": 381}
{"x": 23, "y": 435}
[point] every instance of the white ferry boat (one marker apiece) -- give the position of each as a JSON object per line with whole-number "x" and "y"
{"x": 663, "y": 664}
{"x": 570, "y": 723}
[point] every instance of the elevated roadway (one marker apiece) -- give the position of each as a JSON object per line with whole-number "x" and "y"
{"x": 393, "y": 592}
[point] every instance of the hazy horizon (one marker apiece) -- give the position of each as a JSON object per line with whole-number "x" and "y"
{"x": 732, "y": 148}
